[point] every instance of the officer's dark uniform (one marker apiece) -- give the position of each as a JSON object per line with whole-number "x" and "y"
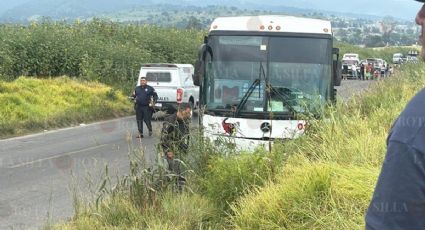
{"x": 362, "y": 71}
{"x": 143, "y": 96}
{"x": 399, "y": 198}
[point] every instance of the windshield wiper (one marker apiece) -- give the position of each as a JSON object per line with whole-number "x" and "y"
{"x": 246, "y": 96}
{"x": 262, "y": 75}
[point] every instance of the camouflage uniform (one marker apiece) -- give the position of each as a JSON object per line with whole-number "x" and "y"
{"x": 175, "y": 134}
{"x": 174, "y": 171}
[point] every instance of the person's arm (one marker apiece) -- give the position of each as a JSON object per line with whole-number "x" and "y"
{"x": 154, "y": 94}
{"x": 399, "y": 198}
{"x": 166, "y": 131}
{"x": 134, "y": 96}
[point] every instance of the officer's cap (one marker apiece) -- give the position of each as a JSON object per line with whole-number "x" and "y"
{"x": 144, "y": 78}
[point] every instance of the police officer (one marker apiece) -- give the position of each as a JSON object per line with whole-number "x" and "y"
{"x": 145, "y": 97}
{"x": 399, "y": 198}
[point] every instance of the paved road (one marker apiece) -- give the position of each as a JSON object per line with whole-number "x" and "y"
{"x": 37, "y": 172}
{"x": 349, "y": 88}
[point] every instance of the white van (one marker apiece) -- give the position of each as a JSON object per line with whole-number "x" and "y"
{"x": 173, "y": 84}
{"x": 398, "y": 58}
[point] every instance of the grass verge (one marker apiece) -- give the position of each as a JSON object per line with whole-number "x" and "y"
{"x": 30, "y": 104}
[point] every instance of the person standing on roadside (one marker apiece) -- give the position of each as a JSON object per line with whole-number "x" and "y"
{"x": 145, "y": 98}
{"x": 387, "y": 70}
{"x": 369, "y": 71}
{"x": 362, "y": 71}
{"x": 354, "y": 71}
{"x": 398, "y": 201}
{"x": 175, "y": 129}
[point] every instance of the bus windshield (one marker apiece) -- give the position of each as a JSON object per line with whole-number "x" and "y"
{"x": 294, "y": 74}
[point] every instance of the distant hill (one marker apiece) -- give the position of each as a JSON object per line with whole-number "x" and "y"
{"x": 23, "y": 10}
{"x": 403, "y": 9}
{"x": 66, "y": 9}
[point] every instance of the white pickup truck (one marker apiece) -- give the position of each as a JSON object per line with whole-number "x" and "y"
{"x": 348, "y": 61}
{"x": 173, "y": 83}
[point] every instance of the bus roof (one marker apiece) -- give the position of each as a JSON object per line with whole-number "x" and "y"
{"x": 272, "y": 23}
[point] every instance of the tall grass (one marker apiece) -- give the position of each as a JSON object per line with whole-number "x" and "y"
{"x": 308, "y": 195}
{"x": 329, "y": 178}
{"x": 174, "y": 211}
{"x": 30, "y": 104}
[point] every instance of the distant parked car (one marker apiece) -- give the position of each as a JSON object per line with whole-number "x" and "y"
{"x": 412, "y": 56}
{"x": 350, "y": 61}
{"x": 376, "y": 62}
{"x": 398, "y": 58}
{"x": 412, "y": 59}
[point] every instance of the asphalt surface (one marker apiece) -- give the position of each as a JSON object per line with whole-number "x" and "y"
{"x": 38, "y": 173}
{"x": 349, "y": 88}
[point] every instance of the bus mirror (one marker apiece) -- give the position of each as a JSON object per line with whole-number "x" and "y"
{"x": 200, "y": 63}
{"x": 335, "y": 51}
{"x": 203, "y": 51}
{"x": 336, "y": 72}
{"x": 199, "y": 72}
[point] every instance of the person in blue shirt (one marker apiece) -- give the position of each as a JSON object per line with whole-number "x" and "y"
{"x": 144, "y": 97}
{"x": 399, "y": 198}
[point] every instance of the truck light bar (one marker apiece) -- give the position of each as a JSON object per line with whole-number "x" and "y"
{"x": 159, "y": 65}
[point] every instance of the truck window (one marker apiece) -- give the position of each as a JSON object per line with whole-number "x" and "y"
{"x": 158, "y": 76}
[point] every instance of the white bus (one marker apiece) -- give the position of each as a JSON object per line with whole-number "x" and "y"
{"x": 259, "y": 76}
